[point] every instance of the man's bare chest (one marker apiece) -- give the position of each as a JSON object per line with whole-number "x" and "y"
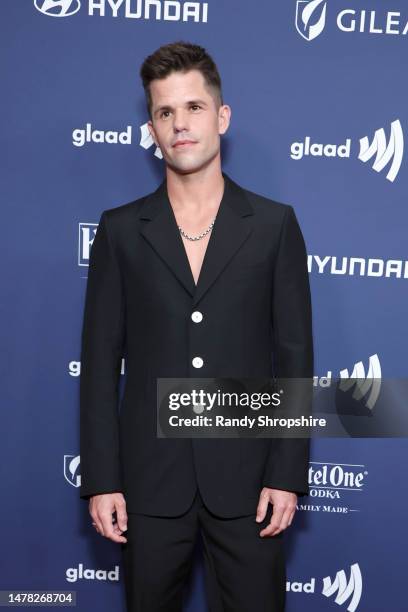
{"x": 195, "y": 251}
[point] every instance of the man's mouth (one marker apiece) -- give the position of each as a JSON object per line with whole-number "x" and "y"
{"x": 181, "y": 144}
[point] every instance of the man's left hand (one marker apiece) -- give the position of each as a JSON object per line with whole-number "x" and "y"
{"x": 284, "y": 508}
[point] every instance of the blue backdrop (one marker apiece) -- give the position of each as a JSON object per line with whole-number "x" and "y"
{"x": 318, "y": 97}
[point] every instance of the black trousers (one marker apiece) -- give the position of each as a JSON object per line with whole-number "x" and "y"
{"x": 243, "y": 571}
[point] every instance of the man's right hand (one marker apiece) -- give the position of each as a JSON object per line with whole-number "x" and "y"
{"x": 101, "y": 508}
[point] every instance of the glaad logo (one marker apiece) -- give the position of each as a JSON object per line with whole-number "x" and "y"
{"x": 310, "y": 18}
{"x": 81, "y": 136}
{"x": 77, "y": 573}
{"x": 339, "y": 587}
{"x": 299, "y": 149}
{"x": 384, "y": 152}
{"x": 71, "y": 469}
{"x": 58, "y": 8}
{"x": 301, "y": 587}
{"x": 344, "y": 590}
{"x": 87, "y": 232}
{"x": 146, "y": 140}
{"x": 363, "y": 385}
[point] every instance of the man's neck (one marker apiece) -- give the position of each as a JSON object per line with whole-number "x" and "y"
{"x": 196, "y": 191}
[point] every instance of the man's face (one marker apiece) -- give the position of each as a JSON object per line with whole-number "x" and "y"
{"x": 183, "y": 109}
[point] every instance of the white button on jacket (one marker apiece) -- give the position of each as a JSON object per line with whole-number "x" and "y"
{"x": 197, "y": 362}
{"x": 197, "y": 316}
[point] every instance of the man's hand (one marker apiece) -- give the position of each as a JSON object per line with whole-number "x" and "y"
{"x": 284, "y": 508}
{"x": 101, "y": 508}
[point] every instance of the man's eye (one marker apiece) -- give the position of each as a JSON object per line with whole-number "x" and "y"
{"x": 191, "y": 106}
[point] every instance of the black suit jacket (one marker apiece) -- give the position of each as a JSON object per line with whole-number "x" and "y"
{"x": 253, "y": 292}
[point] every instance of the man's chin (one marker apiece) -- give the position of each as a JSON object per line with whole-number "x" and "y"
{"x": 186, "y": 168}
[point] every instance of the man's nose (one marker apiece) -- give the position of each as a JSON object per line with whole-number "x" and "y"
{"x": 180, "y": 120}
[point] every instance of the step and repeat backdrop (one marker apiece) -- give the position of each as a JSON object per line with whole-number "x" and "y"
{"x": 319, "y": 115}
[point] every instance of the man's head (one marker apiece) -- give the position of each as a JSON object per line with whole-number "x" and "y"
{"x": 184, "y": 101}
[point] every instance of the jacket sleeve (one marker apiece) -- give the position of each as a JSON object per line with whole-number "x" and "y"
{"x": 288, "y": 461}
{"x": 101, "y": 357}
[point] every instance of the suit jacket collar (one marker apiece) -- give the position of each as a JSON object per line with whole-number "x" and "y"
{"x": 229, "y": 232}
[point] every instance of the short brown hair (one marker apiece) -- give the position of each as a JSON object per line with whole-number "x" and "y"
{"x": 180, "y": 56}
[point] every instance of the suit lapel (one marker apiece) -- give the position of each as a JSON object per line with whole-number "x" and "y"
{"x": 230, "y": 231}
{"x": 161, "y": 231}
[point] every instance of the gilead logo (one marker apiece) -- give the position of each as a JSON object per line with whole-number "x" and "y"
{"x": 372, "y": 22}
{"x": 73, "y": 574}
{"x": 71, "y": 470}
{"x": 310, "y": 20}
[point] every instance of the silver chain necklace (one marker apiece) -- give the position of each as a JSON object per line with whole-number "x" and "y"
{"x": 209, "y": 228}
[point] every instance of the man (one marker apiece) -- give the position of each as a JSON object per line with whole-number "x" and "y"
{"x": 200, "y": 278}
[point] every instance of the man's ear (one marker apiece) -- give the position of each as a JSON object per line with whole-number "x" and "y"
{"x": 152, "y": 133}
{"x": 224, "y": 118}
